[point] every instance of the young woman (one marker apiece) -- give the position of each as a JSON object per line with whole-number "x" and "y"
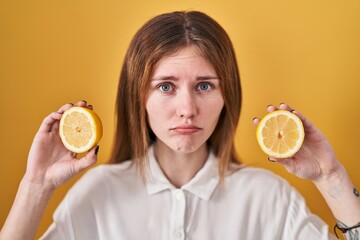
{"x": 174, "y": 172}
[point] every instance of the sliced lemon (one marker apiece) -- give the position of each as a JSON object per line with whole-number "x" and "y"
{"x": 280, "y": 134}
{"x": 80, "y": 129}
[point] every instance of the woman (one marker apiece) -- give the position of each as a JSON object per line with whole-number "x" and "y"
{"x": 178, "y": 105}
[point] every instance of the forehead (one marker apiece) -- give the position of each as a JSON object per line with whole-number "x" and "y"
{"x": 188, "y": 58}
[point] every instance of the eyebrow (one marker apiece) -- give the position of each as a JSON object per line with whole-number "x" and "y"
{"x": 172, "y": 78}
{"x": 207, "y": 78}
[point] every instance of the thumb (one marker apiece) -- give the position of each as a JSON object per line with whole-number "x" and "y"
{"x": 89, "y": 159}
{"x": 288, "y": 163}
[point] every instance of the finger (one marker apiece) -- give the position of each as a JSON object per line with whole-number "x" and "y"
{"x": 65, "y": 107}
{"x": 286, "y": 162}
{"x": 90, "y": 107}
{"x": 55, "y": 126}
{"x": 48, "y": 121}
{"x": 271, "y": 108}
{"x": 284, "y": 106}
{"x": 308, "y": 126}
{"x": 256, "y": 121}
{"x": 89, "y": 159}
{"x": 279, "y": 160}
{"x": 271, "y": 159}
{"x": 81, "y": 103}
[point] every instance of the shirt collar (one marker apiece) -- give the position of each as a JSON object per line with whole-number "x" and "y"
{"x": 201, "y": 185}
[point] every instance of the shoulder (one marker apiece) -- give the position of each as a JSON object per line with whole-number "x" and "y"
{"x": 84, "y": 204}
{"x": 258, "y": 182}
{"x": 101, "y": 179}
{"x": 269, "y": 200}
{"x": 253, "y": 175}
{"x": 106, "y": 171}
{"x": 263, "y": 191}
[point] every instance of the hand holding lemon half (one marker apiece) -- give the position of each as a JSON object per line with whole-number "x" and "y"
{"x": 280, "y": 134}
{"x": 80, "y": 129}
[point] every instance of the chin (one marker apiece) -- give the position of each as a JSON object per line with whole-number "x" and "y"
{"x": 185, "y": 144}
{"x": 186, "y": 147}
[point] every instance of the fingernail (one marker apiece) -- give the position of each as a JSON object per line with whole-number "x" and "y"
{"x": 84, "y": 101}
{"x": 269, "y": 105}
{"x": 254, "y": 118}
{"x": 270, "y": 160}
{"x": 292, "y": 111}
{"x": 282, "y": 103}
{"x": 356, "y": 192}
{"x": 97, "y": 150}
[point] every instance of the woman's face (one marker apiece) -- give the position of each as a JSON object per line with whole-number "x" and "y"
{"x": 184, "y": 101}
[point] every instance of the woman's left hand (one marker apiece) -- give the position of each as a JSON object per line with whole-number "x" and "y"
{"x": 316, "y": 159}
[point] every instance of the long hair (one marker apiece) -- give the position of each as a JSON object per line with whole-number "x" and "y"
{"x": 159, "y": 37}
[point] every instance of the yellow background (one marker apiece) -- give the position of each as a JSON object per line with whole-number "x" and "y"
{"x": 305, "y": 53}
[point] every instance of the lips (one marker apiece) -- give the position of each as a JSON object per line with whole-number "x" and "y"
{"x": 186, "y": 129}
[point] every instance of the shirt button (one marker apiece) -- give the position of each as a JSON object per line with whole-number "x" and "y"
{"x": 178, "y": 196}
{"x": 178, "y": 234}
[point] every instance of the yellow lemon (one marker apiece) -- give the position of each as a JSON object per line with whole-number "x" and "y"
{"x": 280, "y": 134}
{"x": 80, "y": 129}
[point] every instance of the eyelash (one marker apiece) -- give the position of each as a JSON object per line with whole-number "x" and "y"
{"x": 197, "y": 88}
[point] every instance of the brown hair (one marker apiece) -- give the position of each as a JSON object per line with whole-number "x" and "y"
{"x": 159, "y": 37}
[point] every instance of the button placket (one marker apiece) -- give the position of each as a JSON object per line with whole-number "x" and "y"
{"x": 178, "y": 215}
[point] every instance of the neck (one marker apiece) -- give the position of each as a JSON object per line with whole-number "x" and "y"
{"x": 180, "y": 167}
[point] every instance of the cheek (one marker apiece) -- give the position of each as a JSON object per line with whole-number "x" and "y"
{"x": 215, "y": 111}
{"x": 151, "y": 113}
{"x": 156, "y": 111}
{"x": 214, "y": 106}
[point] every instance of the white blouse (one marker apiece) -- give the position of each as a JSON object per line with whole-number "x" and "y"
{"x": 112, "y": 202}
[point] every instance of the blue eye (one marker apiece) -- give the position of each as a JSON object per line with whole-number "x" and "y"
{"x": 165, "y": 87}
{"x": 204, "y": 87}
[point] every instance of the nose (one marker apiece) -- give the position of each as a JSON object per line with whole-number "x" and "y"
{"x": 186, "y": 107}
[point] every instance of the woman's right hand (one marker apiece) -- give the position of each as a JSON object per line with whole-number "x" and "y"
{"x": 49, "y": 162}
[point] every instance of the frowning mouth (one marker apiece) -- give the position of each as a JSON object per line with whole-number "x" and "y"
{"x": 185, "y": 129}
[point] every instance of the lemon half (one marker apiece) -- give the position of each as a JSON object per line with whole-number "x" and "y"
{"x": 80, "y": 129}
{"x": 280, "y": 134}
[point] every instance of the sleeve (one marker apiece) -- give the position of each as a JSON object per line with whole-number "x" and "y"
{"x": 62, "y": 227}
{"x": 300, "y": 223}
{"x": 76, "y": 217}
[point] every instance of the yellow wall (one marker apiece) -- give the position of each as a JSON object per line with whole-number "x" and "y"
{"x": 305, "y": 53}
